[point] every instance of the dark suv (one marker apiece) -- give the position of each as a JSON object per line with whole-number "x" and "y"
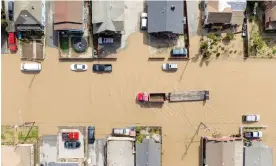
{"x": 72, "y": 144}
{"x": 91, "y": 134}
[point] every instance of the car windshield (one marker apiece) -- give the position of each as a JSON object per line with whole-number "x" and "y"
{"x": 83, "y": 66}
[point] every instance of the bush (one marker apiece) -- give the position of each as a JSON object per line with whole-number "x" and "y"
{"x": 229, "y": 36}
{"x": 222, "y": 48}
{"x": 211, "y": 47}
{"x": 204, "y": 45}
{"x": 218, "y": 54}
{"x": 274, "y": 51}
{"x": 251, "y": 18}
{"x": 214, "y": 37}
{"x": 258, "y": 42}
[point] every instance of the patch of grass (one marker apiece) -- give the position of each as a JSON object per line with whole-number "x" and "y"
{"x": 274, "y": 51}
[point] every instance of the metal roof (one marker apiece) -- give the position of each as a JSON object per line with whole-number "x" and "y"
{"x": 165, "y": 16}
{"x": 108, "y": 16}
{"x": 148, "y": 153}
{"x": 228, "y": 152}
{"x": 258, "y": 155}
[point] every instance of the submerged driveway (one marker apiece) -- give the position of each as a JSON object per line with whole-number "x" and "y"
{"x": 58, "y": 96}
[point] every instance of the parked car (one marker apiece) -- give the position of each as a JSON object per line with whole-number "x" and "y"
{"x": 12, "y": 42}
{"x": 169, "y": 67}
{"x": 105, "y": 40}
{"x": 72, "y": 136}
{"x": 30, "y": 67}
{"x": 11, "y": 10}
{"x": 251, "y": 118}
{"x": 72, "y": 144}
{"x": 102, "y": 68}
{"x": 91, "y": 134}
{"x": 179, "y": 52}
{"x": 144, "y": 21}
{"x": 78, "y": 67}
{"x": 253, "y": 134}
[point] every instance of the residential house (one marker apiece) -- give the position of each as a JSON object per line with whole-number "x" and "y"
{"x": 108, "y": 17}
{"x": 226, "y": 151}
{"x": 270, "y": 16}
{"x": 69, "y": 16}
{"x": 29, "y": 16}
{"x": 148, "y": 153}
{"x": 258, "y": 154}
{"x": 223, "y": 13}
{"x": 166, "y": 17}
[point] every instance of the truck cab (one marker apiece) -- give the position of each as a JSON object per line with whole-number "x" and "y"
{"x": 151, "y": 97}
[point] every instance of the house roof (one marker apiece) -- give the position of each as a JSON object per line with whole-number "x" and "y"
{"x": 68, "y": 15}
{"x": 26, "y": 18}
{"x": 229, "y": 11}
{"x": 120, "y": 152}
{"x": 270, "y": 15}
{"x": 163, "y": 18}
{"x": 258, "y": 155}
{"x": 148, "y": 153}
{"x": 108, "y": 16}
{"x": 224, "y": 152}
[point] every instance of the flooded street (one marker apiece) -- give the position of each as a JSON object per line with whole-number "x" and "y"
{"x": 57, "y": 96}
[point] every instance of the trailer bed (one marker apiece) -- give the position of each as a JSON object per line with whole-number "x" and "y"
{"x": 157, "y": 97}
{"x": 189, "y": 96}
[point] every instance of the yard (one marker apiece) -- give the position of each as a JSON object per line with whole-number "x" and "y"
{"x": 224, "y": 44}
{"x": 24, "y": 134}
{"x": 260, "y": 45}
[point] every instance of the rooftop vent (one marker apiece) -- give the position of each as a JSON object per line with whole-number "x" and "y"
{"x": 172, "y": 7}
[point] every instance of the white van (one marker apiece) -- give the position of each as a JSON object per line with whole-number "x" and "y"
{"x": 144, "y": 20}
{"x": 32, "y": 67}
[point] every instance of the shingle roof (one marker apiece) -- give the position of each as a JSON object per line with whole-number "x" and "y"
{"x": 233, "y": 11}
{"x": 258, "y": 155}
{"x": 68, "y": 15}
{"x": 148, "y": 153}
{"x": 163, "y": 18}
{"x": 108, "y": 16}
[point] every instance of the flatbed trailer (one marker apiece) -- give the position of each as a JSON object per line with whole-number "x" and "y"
{"x": 188, "y": 96}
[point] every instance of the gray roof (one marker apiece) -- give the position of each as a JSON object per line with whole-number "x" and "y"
{"x": 258, "y": 155}
{"x": 108, "y": 16}
{"x": 148, "y": 153}
{"x": 161, "y": 17}
{"x": 26, "y": 18}
{"x": 239, "y": 5}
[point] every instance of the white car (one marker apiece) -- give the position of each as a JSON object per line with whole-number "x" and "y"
{"x": 169, "y": 67}
{"x": 253, "y": 134}
{"x": 251, "y": 118}
{"x": 144, "y": 21}
{"x": 78, "y": 67}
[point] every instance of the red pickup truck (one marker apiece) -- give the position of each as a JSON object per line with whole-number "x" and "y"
{"x": 12, "y": 42}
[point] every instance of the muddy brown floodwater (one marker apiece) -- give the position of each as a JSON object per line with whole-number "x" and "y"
{"x": 58, "y": 96}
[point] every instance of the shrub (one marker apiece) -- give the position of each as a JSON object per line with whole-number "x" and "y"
{"x": 231, "y": 51}
{"x": 214, "y": 37}
{"x": 222, "y": 48}
{"x": 211, "y": 47}
{"x": 229, "y": 36}
{"x": 204, "y": 45}
{"x": 218, "y": 54}
{"x": 251, "y": 18}
{"x": 274, "y": 51}
{"x": 258, "y": 42}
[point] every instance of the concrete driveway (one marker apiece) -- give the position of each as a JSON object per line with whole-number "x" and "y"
{"x": 192, "y": 7}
